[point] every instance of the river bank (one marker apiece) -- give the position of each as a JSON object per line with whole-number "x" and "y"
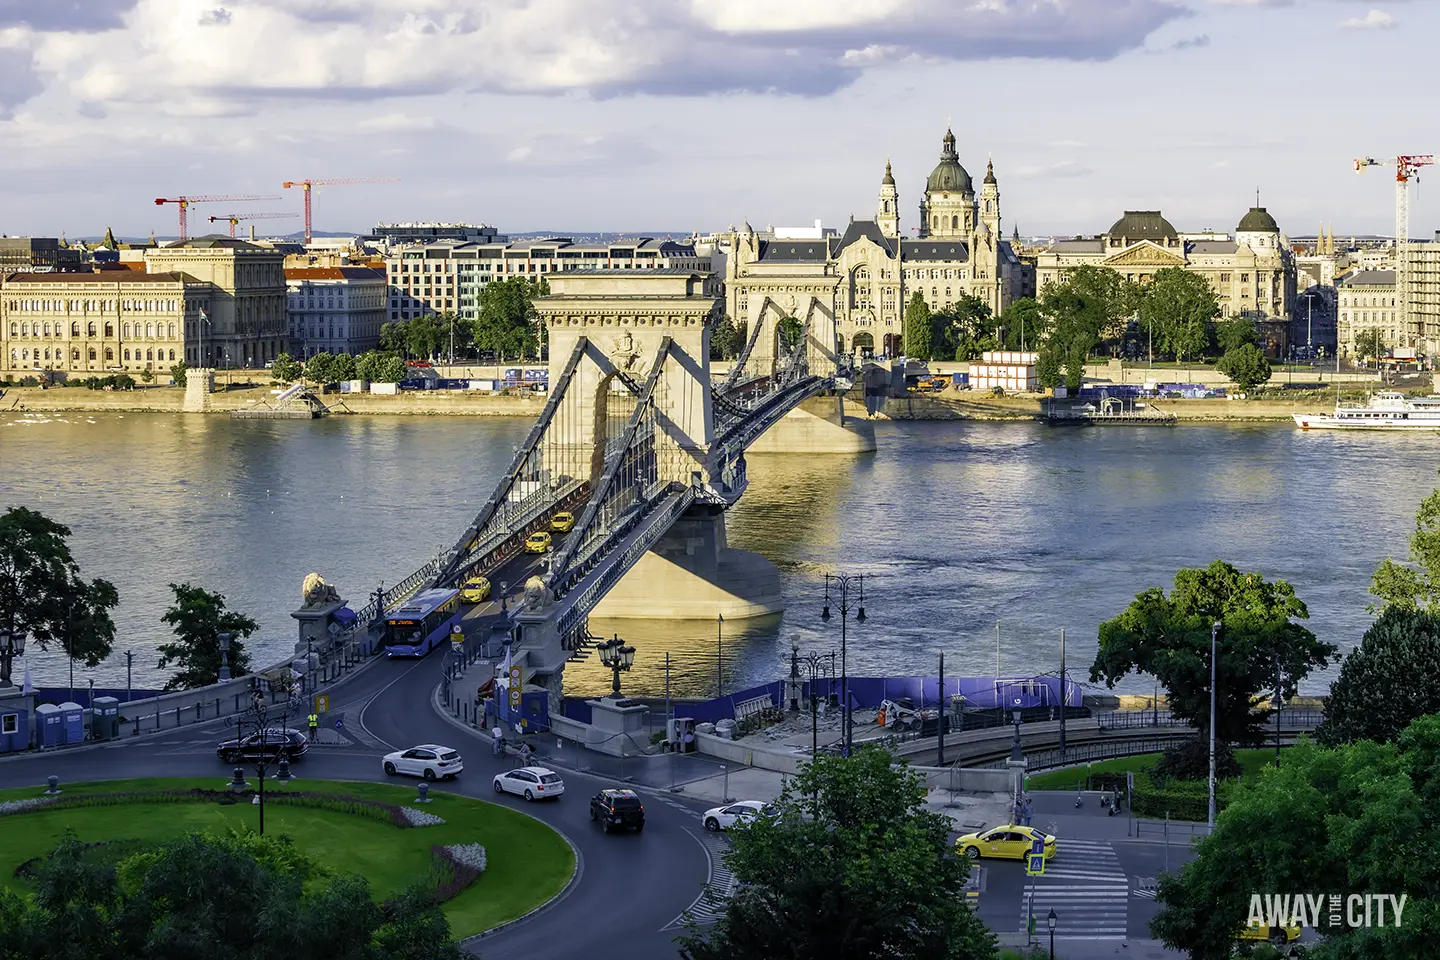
{"x": 951, "y": 405}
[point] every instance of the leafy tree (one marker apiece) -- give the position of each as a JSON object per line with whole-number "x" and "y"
{"x": 198, "y": 618}
{"x": 343, "y": 367}
{"x": 238, "y": 897}
{"x": 1177, "y": 307}
{"x": 1246, "y": 366}
{"x": 177, "y": 373}
{"x": 726, "y": 341}
{"x": 42, "y": 593}
{"x": 389, "y": 370}
{"x": 852, "y": 867}
{"x": 1048, "y": 368}
{"x": 321, "y": 368}
{"x": 1349, "y": 819}
{"x": 147, "y": 375}
{"x": 1387, "y": 681}
{"x": 963, "y": 329}
{"x": 424, "y": 335}
{"x": 507, "y": 322}
{"x": 1168, "y": 637}
{"x": 393, "y": 337}
{"x": 790, "y": 332}
{"x": 1369, "y": 345}
{"x": 449, "y": 329}
{"x": 1415, "y": 585}
{"x": 367, "y": 367}
{"x": 285, "y": 368}
{"x": 1236, "y": 332}
{"x": 1025, "y": 324}
{"x": 917, "y": 330}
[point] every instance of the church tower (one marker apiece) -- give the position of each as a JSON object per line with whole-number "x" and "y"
{"x": 948, "y": 210}
{"x": 990, "y": 200}
{"x": 887, "y": 212}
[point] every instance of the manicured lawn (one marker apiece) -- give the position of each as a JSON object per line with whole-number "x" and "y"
{"x": 527, "y": 861}
{"x": 1251, "y": 762}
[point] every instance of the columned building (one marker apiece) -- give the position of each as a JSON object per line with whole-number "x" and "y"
{"x": 864, "y": 277}
{"x": 246, "y": 324}
{"x": 335, "y": 309}
{"x": 1367, "y": 302}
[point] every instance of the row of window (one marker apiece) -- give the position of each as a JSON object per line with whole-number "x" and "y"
{"x": 149, "y": 331}
{"x": 22, "y": 354}
{"x": 91, "y": 306}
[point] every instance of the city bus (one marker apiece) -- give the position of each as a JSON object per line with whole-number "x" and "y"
{"x": 415, "y": 627}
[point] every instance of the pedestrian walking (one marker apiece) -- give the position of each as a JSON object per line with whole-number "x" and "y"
{"x": 314, "y": 720}
{"x": 1019, "y": 810}
{"x": 1029, "y": 812}
{"x": 498, "y": 735}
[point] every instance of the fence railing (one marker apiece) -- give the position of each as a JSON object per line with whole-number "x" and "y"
{"x": 1297, "y": 719}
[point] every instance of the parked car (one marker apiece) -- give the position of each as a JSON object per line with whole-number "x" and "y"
{"x": 273, "y": 744}
{"x": 532, "y": 783}
{"x": 538, "y": 542}
{"x": 429, "y": 760}
{"x": 618, "y": 809}
{"x": 723, "y": 818}
{"x": 475, "y": 590}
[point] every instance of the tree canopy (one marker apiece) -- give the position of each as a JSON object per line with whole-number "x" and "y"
{"x": 1168, "y": 637}
{"x": 1177, "y": 307}
{"x": 285, "y": 368}
{"x": 1369, "y": 344}
{"x": 1414, "y": 585}
{"x": 917, "y": 333}
{"x": 851, "y": 867}
{"x": 508, "y": 323}
{"x": 1387, "y": 681}
{"x": 237, "y": 897}
{"x": 42, "y": 593}
{"x": 198, "y": 618}
{"x": 1245, "y": 365}
{"x": 1361, "y": 818}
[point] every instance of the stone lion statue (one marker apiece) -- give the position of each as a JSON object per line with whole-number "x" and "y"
{"x": 316, "y": 591}
{"x": 538, "y": 597}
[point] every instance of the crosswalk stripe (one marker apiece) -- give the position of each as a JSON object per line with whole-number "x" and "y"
{"x": 1086, "y": 882}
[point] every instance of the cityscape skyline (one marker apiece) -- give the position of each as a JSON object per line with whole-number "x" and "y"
{"x": 681, "y": 115}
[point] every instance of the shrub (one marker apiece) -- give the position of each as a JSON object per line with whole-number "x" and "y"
{"x": 1190, "y": 760}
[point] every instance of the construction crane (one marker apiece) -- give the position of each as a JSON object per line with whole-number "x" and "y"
{"x": 1407, "y": 168}
{"x": 235, "y": 218}
{"x": 309, "y": 187}
{"x": 185, "y": 202}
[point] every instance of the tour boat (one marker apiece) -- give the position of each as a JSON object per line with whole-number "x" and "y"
{"x": 1386, "y": 411}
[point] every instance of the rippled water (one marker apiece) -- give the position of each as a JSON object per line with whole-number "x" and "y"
{"x": 959, "y": 525}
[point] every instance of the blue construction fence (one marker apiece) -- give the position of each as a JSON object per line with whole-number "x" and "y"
{"x": 82, "y": 694}
{"x": 1135, "y": 391}
{"x": 866, "y": 693}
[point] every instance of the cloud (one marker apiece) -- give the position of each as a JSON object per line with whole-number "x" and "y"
{"x": 18, "y": 81}
{"x": 1050, "y": 171}
{"x": 371, "y": 49}
{"x": 70, "y": 16}
{"x": 1191, "y": 43}
{"x": 1220, "y": 165}
{"x": 1374, "y": 20}
{"x": 1254, "y": 3}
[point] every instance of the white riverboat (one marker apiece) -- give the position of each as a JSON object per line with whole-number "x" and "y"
{"x": 1386, "y": 411}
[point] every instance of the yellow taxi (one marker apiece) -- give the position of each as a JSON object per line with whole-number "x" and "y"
{"x": 562, "y": 522}
{"x": 475, "y": 590}
{"x": 1279, "y": 936}
{"x": 1006, "y": 842}
{"x": 538, "y": 542}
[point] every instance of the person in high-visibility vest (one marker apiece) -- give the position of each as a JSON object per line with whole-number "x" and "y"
{"x": 314, "y": 726}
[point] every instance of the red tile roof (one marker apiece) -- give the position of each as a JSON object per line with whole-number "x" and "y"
{"x": 106, "y": 276}
{"x": 333, "y": 273}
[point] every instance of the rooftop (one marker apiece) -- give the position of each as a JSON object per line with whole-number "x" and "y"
{"x": 333, "y": 273}
{"x": 103, "y": 276}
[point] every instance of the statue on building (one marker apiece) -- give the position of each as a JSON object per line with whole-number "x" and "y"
{"x": 316, "y": 591}
{"x": 538, "y": 597}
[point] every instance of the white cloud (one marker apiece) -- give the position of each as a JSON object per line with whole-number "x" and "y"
{"x": 1374, "y": 20}
{"x": 1060, "y": 168}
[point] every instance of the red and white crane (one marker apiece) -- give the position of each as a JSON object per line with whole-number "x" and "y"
{"x": 309, "y": 187}
{"x": 235, "y": 218}
{"x": 1407, "y": 168}
{"x": 184, "y": 204}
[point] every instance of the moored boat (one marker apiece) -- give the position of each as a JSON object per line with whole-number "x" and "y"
{"x": 1387, "y": 410}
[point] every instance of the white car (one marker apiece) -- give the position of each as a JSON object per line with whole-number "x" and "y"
{"x": 723, "y": 818}
{"x": 532, "y": 783}
{"x": 429, "y": 760}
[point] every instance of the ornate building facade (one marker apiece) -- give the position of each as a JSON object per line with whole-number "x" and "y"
{"x": 862, "y": 279}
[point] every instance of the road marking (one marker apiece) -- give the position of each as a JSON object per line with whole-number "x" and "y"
{"x": 376, "y": 696}
{"x": 1086, "y": 884}
{"x": 709, "y": 906}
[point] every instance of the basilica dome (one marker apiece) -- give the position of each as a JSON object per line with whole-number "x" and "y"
{"x": 948, "y": 176}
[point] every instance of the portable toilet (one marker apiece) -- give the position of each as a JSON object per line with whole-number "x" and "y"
{"x": 73, "y": 718}
{"x": 105, "y": 718}
{"x": 50, "y": 725}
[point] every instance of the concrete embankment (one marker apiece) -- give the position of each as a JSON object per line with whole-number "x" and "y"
{"x": 957, "y": 405}
{"x": 170, "y": 400}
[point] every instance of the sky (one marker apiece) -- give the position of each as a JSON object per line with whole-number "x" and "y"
{"x": 679, "y": 115}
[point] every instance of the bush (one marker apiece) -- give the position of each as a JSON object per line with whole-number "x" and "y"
{"x": 177, "y": 373}
{"x": 1190, "y": 760}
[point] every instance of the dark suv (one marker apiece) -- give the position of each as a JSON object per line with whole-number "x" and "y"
{"x": 273, "y": 745}
{"x": 618, "y": 809}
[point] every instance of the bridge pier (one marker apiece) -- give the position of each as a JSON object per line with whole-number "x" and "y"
{"x": 693, "y": 574}
{"x": 819, "y": 425}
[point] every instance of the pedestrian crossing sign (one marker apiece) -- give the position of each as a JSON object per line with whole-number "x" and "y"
{"x": 1035, "y": 867}
{"x": 322, "y": 703}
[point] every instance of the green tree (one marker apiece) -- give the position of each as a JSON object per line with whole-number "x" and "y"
{"x": 177, "y": 373}
{"x": 1387, "y": 681}
{"x": 1413, "y": 585}
{"x": 1331, "y": 820}
{"x": 367, "y": 366}
{"x": 320, "y": 368}
{"x": 343, "y": 367}
{"x": 1168, "y": 637}
{"x": 1048, "y": 368}
{"x": 507, "y": 322}
{"x": 1177, "y": 307}
{"x": 1025, "y": 324}
{"x": 726, "y": 340}
{"x": 917, "y": 330}
{"x": 1246, "y": 366}
{"x": 790, "y": 332}
{"x": 451, "y": 333}
{"x": 424, "y": 336}
{"x": 394, "y": 336}
{"x": 198, "y": 617}
{"x": 390, "y": 370}
{"x": 147, "y": 375}
{"x": 963, "y": 330}
{"x": 851, "y": 867}
{"x": 1236, "y": 332}
{"x": 286, "y": 368}
{"x": 42, "y": 593}
{"x": 1369, "y": 345}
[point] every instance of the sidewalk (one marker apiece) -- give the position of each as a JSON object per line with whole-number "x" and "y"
{"x": 1092, "y": 949}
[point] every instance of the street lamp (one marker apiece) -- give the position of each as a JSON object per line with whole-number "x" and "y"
{"x": 813, "y": 663}
{"x": 225, "y": 656}
{"x": 618, "y": 656}
{"x": 1050, "y": 922}
{"x": 1276, "y": 702}
{"x": 795, "y": 673}
{"x": 1214, "y": 632}
{"x": 843, "y": 584}
{"x": 1015, "y": 753}
{"x": 12, "y": 645}
{"x": 255, "y": 721}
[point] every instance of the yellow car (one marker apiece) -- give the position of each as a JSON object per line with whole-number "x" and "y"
{"x": 1279, "y": 936}
{"x": 1007, "y": 842}
{"x": 538, "y": 542}
{"x": 562, "y": 522}
{"x": 475, "y": 590}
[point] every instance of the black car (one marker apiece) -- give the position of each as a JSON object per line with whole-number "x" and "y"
{"x": 618, "y": 809}
{"x": 272, "y": 745}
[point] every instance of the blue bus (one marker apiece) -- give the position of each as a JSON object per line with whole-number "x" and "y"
{"x": 415, "y": 627}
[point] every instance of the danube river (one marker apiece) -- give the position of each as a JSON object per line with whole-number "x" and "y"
{"x": 959, "y": 525}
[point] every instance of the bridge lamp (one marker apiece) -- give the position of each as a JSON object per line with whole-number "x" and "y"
{"x": 12, "y": 645}
{"x": 618, "y": 656}
{"x": 1051, "y": 922}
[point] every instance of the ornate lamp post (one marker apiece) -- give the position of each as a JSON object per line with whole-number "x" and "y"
{"x": 843, "y": 584}
{"x": 255, "y": 722}
{"x": 795, "y": 674}
{"x": 1214, "y": 635}
{"x": 1276, "y": 702}
{"x": 1051, "y": 922}
{"x": 1015, "y": 752}
{"x": 617, "y": 655}
{"x": 225, "y": 656}
{"x": 813, "y": 663}
{"x": 12, "y": 645}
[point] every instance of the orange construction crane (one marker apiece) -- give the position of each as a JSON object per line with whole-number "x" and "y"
{"x": 235, "y": 218}
{"x": 309, "y": 187}
{"x": 185, "y": 202}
